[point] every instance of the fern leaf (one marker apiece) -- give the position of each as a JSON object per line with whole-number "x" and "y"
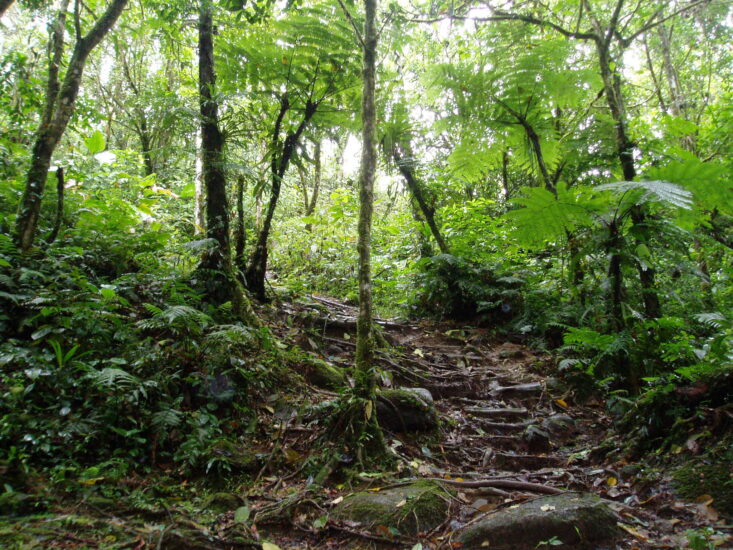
{"x": 652, "y": 191}
{"x": 545, "y": 217}
{"x": 115, "y": 378}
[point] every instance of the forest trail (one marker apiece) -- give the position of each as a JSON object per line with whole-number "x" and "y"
{"x": 508, "y": 434}
{"x": 502, "y": 417}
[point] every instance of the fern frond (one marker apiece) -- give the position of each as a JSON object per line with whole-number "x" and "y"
{"x": 115, "y": 378}
{"x": 652, "y": 191}
{"x": 545, "y": 217}
{"x": 152, "y": 309}
{"x": 166, "y": 419}
{"x": 715, "y": 320}
{"x": 230, "y": 334}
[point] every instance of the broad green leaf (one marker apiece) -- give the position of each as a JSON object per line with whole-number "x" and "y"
{"x": 95, "y": 143}
{"x": 241, "y": 515}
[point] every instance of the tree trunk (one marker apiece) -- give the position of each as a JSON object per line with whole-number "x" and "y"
{"x": 240, "y": 235}
{"x": 369, "y": 433}
{"x": 255, "y": 277}
{"x": 615, "y": 276}
{"x": 145, "y": 144}
{"x": 59, "y": 206}
{"x": 199, "y": 198}
{"x": 625, "y": 151}
{"x": 215, "y": 268}
{"x": 218, "y": 258}
{"x": 406, "y": 168}
{"x": 59, "y": 108}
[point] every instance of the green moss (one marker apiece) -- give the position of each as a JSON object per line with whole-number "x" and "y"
{"x": 411, "y": 509}
{"x": 711, "y": 475}
{"x": 320, "y": 373}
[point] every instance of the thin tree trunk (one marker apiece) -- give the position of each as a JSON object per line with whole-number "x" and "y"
{"x": 60, "y": 107}
{"x": 240, "y": 235}
{"x": 59, "y": 205}
{"x": 371, "y": 438}
{"x": 505, "y": 175}
{"x": 257, "y": 269}
{"x": 311, "y": 207}
{"x": 145, "y": 143}
{"x": 616, "y": 278}
{"x": 406, "y": 168}
{"x": 625, "y": 151}
{"x": 653, "y": 74}
{"x": 199, "y": 193}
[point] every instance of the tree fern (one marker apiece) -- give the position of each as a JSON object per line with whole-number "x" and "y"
{"x": 544, "y": 217}
{"x": 640, "y": 192}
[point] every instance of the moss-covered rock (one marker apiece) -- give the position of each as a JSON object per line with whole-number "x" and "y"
{"x": 322, "y": 374}
{"x": 405, "y": 411}
{"x": 411, "y": 509}
{"x": 711, "y": 475}
{"x": 579, "y": 520}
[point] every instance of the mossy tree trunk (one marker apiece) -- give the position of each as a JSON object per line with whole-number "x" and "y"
{"x": 60, "y": 101}
{"x": 370, "y": 438}
{"x": 215, "y": 268}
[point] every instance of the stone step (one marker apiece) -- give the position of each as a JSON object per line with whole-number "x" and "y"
{"x": 505, "y": 413}
{"x": 516, "y": 462}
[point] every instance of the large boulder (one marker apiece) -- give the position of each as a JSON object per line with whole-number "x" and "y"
{"x": 411, "y": 509}
{"x": 406, "y": 410}
{"x": 579, "y": 520}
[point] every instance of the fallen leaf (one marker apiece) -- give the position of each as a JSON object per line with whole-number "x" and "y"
{"x": 633, "y": 532}
{"x": 270, "y": 546}
{"x": 242, "y": 514}
{"x": 562, "y": 403}
{"x": 337, "y": 500}
{"x": 401, "y": 503}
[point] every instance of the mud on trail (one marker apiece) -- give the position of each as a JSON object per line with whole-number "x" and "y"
{"x": 491, "y": 451}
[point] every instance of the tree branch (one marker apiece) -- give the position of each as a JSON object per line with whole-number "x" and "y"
{"x": 347, "y": 13}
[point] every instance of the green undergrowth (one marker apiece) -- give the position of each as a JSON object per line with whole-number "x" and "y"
{"x": 107, "y": 376}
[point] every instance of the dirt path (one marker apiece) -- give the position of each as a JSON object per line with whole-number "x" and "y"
{"x": 502, "y": 416}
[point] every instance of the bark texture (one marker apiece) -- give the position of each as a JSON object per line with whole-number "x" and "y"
{"x": 372, "y": 441}
{"x": 60, "y": 100}
{"x": 60, "y": 184}
{"x": 218, "y": 258}
{"x": 215, "y": 269}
